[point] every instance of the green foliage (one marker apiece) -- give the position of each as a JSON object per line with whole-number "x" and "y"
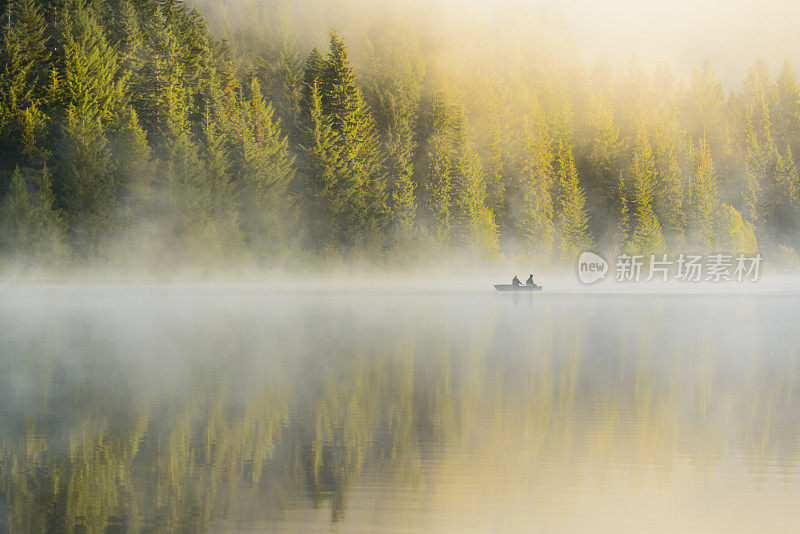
{"x": 645, "y": 232}
{"x": 600, "y": 165}
{"x": 24, "y": 56}
{"x": 439, "y": 188}
{"x": 263, "y": 170}
{"x": 668, "y": 201}
{"x": 734, "y": 234}
{"x": 703, "y": 198}
{"x": 31, "y": 228}
{"x": 573, "y": 220}
{"x": 537, "y": 221}
{"x": 90, "y": 85}
{"x": 85, "y": 183}
{"x": 164, "y": 138}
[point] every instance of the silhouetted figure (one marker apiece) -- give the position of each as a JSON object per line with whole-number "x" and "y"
{"x": 516, "y": 281}
{"x": 530, "y": 282}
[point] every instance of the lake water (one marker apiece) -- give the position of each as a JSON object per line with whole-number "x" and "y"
{"x": 232, "y": 409}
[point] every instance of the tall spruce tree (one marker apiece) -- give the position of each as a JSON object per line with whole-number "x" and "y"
{"x": 573, "y": 220}
{"x": 668, "y": 198}
{"x": 263, "y": 169}
{"x": 438, "y": 183}
{"x": 537, "y": 221}
{"x": 646, "y": 234}
{"x": 355, "y": 187}
{"x": 31, "y": 228}
{"x": 24, "y": 57}
{"x": 703, "y": 198}
{"x": 600, "y": 164}
{"x": 787, "y": 109}
{"x": 476, "y": 230}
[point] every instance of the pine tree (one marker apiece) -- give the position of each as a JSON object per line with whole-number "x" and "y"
{"x": 282, "y": 73}
{"x": 623, "y": 213}
{"x": 320, "y": 163}
{"x": 703, "y": 111}
{"x": 439, "y": 188}
{"x": 761, "y": 157}
{"x": 312, "y": 76}
{"x": 90, "y": 81}
{"x": 782, "y": 213}
{"x": 537, "y": 224}
{"x": 130, "y": 158}
{"x": 646, "y": 234}
{"x": 600, "y": 166}
{"x": 669, "y": 191}
{"x": 787, "y": 109}
{"x": 131, "y": 43}
{"x": 24, "y": 57}
{"x": 496, "y": 180}
{"x": 474, "y": 223}
{"x": 357, "y": 190}
{"x": 30, "y": 226}
{"x": 733, "y": 234}
{"x": 85, "y": 182}
{"x": 263, "y": 170}
{"x": 573, "y": 221}
{"x": 400, "y": 170}
{"x": 703, "y": 198}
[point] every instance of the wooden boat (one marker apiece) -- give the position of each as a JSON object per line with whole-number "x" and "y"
{"x": 511, "y": 287}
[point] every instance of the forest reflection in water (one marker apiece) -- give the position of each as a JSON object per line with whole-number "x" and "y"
{"x": 197, "y": 409}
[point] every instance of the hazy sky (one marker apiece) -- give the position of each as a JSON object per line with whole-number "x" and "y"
{"x": 684, "y": 32}
{"x": 730, "y": 33}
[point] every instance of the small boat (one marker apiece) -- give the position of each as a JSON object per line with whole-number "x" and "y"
{"x": 511, "y": 287}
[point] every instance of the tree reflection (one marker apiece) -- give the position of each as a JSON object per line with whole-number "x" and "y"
{"x": 407, "y": 398}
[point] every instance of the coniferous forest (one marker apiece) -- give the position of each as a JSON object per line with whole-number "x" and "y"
{"x": 169, "y": 133}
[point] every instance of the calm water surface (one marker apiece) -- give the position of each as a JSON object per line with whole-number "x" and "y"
{"x": 178, "y": 409}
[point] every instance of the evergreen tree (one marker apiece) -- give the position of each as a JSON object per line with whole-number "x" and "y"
{"x": 358, "y": 191}
{"x": 761, "y": 157}
{"x": 320, "y": 163}
{"x": 474, "y": 223}
{"x": 312, "y": 76}
{"x": 24, "y": 56}
{"x": 669, "y": 190}
{"x": 573, "y": 220}
{"x": 263, "y": 172}
{"x": 400, "y": 169}
{"x": 600, "y": 166}
{"x": 782, "y": 206}
{"x": 30, "y": 226}
{"x": 130, "y": 158}
{"x": 645, "y": 234}
{"x": 85, "y": 182}
{"x": 703, "y": 198}
{"x": 537, "y": 223}
{"x": 206, "y": 149}
{"x": 90, "y": 82}
{"x": 787, "y": 109}
{"x": 496, "y": 180}
{"x": 439, "y": 189}
{"x": 733, "y": 234}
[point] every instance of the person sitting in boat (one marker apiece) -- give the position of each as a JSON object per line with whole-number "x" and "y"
{"x": 530, "y": 282}
{"x": 516, "y": 281}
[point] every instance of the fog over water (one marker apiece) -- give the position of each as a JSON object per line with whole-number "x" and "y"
{"x": 174, "y": 376}
{"x": 241, "y": 409}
